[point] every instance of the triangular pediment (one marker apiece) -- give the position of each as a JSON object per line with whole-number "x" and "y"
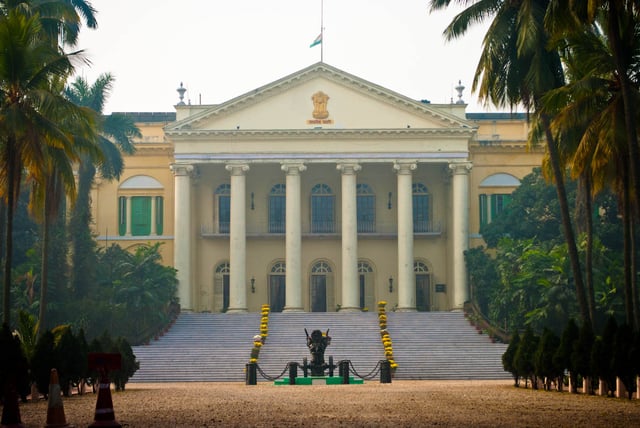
{"x": 319, "y": 96}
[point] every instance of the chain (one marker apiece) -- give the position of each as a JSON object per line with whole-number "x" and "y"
{"x": 267, "y": 377}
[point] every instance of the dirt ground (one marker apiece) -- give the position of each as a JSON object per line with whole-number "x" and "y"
{"x": 399, "y": 404}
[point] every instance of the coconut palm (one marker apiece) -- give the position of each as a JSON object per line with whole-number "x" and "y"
{"x": 116, "y": 133}
{"x": 592, "y": 106}
{"x": 60, "y": 19}
{"x": 28, "y": 66}
{"x": 53, "y": 182}
{"x": 515, "y": 68}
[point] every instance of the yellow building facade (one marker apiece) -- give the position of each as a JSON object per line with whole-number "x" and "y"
{"x": 317, "y": 192}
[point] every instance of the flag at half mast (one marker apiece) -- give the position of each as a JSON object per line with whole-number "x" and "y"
{"x": 317, "y": 41}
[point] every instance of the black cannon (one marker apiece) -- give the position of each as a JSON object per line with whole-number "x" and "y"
{"x": 317, "y": 343}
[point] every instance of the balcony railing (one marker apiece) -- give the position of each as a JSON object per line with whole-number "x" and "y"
{"x": 267, "y": 229}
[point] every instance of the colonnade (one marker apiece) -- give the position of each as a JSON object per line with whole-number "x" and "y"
{"x": 184, "y": 234}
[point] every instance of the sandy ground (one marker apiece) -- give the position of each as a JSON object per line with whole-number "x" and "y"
{"x": 399, "y": 404}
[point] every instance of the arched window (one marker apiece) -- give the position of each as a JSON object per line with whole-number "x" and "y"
{"x": 366, "y": 208}
{"x": 421, "y": 208}
{"x": 146, "y": 212}
{"x": 322, "y": 209}
{"x": 492, "y": 202}
{"x": 277, "y": 209}
{"x": 223, "y": 202}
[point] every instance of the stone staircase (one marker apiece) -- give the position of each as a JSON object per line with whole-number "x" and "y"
{"x": 442, "y": 345}
{"x": 216, "y": 347}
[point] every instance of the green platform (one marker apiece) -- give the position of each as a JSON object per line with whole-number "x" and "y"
{"x": 319, "y": 380}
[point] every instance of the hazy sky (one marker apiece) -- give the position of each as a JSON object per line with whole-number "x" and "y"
{"x": 223, "y": 48}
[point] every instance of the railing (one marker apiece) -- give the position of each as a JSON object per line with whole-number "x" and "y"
{"x": 477, "y": 318}
{"x": 422, "y": 228}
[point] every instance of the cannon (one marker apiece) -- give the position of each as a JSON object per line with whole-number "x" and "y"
{"x": 317, "y": 343}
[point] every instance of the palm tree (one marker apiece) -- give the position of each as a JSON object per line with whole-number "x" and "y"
{"x": 116, "y": 133}
{"x": 592, "y": 105}
{"x": 515, "y": 68}
{"x": 53, "y": 182}
{"x": 28, "y": 66}
{"x": 60, "y": 19}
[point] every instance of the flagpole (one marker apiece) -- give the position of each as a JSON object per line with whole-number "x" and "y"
{"x": 322, "y": 30}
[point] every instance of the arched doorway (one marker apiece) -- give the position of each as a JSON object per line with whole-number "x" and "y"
{"x": 320, "y": 286}
{"x": 277, "y": 286}
{"x": 221, "y": 288}
{"x": 423, "y": 286}
{"x": 365, "y": 282}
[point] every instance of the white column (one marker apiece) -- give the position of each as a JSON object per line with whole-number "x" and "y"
{"x": 460, "y": 231}
{"x": 406, "y": 277}
{"x": 153, "y": 215}
{"x": 182, "y": 232}
{"x": 238, "y": 239}
{"x": 129, "y": 217}
{"x": 350, "y": 284}
{"x": 293, "y": 297}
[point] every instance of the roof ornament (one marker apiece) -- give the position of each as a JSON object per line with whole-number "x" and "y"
{"x": 459, "y": 89}
{"x": 181, "y": 90}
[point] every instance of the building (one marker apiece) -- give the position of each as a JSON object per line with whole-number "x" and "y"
{"x": 317, "y": 192}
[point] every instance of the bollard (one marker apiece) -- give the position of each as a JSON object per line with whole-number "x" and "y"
{"x": 331, "y": 366}
{"x": 343, "y": 369}
{"x": 385, "y": 371}
{"x": 252, "y": 374}
{"x": 293, "y": 372}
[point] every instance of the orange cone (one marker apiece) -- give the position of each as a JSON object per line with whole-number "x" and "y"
{"x": 11, "y": 409}
{"x": 55, "y": 411}
{"x": 105, "y": 417}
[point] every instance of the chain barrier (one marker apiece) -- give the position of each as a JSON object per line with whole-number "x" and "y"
{"x": 371, "y": 375}
{"x": 270, "y": 378}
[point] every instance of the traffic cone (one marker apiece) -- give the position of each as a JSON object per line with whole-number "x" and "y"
{"x": 105, "y": 417}
{"x": 55, "y": 410}
{"x": 11, "y": 409}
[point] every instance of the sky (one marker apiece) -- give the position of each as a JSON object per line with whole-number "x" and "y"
{"x": 220, "y": 49}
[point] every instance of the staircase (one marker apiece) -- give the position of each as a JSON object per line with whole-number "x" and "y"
{"x": 442, "y": 345}
{"x": 216, "y": 347}
{"x": 199, "y": 347}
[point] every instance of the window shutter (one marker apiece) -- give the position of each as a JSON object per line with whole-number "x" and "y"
{"x": 122, "y": 215}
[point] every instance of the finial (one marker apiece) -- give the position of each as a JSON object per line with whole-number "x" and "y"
{"x": 459, "y": 89}
{"x": 181, "y": 90}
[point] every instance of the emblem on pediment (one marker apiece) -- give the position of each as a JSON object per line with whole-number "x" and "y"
{"x": 320, "y": 102}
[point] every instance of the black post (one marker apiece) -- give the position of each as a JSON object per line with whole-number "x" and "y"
{"x": 293, "y": 372}
{"x": 252, "y": 374}
{"x": 344, "y": 371}
{"x": 385, "y": 371}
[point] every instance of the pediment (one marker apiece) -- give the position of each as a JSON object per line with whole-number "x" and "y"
{"x": 319, "y": 96}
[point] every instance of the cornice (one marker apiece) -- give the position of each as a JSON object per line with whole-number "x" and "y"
{"x": 259, "y": 134}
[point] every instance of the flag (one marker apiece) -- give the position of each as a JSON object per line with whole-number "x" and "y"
{"x": 317, "y": 41}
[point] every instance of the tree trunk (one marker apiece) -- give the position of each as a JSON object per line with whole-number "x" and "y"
{"x": 44, "y": 271}
{"x": 11, "y": 203}
{"x": 627, "y": 246}
{"x": 591, "y": 299}
{"x": 569, "y": 235}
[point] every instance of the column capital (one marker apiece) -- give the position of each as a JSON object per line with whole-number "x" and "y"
{"x": 404, "y": 168}
{"x": 349, "y": 168}
{"x": 460, "y": 168}
{"x": 237, "y": 168}
{"x": 293, "y": 168}
{"x": 182, "y": 169}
